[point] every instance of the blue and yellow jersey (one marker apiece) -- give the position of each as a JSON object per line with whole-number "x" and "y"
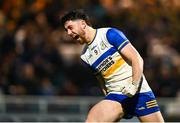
{"x": 103, "y": 56}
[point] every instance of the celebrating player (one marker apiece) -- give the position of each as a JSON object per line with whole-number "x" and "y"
{"x": 118, "y": 67}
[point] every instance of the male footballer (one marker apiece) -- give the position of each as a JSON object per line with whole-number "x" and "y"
{"x": 118, "y": 67}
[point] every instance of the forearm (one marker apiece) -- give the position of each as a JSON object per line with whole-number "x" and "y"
{"x": 102, "y": 84}
{"x": 104, "y": 91}
{"x": 137, "y": 70}
{"x": 134, "y": 59}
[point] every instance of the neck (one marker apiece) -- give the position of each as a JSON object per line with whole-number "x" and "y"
{"x": 90, "y": 34}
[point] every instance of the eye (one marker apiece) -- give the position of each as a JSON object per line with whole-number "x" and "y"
{"x": 70, "y": 27}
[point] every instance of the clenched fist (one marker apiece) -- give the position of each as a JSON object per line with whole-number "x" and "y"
{"x": 130, "y": 90}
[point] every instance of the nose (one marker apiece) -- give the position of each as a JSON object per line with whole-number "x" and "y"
{"x": 69, "y": 32}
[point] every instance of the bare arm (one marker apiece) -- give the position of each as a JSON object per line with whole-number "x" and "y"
{"x": 134, "y": 58}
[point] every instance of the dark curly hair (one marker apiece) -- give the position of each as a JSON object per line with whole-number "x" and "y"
{"x": 74, "y": 15}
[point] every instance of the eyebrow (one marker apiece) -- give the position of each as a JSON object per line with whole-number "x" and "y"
{"x": 66, "y": 28}
{"x": 69, "y": 26}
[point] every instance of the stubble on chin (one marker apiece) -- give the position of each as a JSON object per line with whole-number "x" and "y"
{"x": 81, "y": 42}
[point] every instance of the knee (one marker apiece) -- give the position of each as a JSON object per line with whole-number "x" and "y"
{"x": 91, "y": 119}
{"x": 120, "y": 116}
{"x": 97, "y": 118}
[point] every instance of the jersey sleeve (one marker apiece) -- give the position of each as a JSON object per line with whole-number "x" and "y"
{"x": 117, "y": 38}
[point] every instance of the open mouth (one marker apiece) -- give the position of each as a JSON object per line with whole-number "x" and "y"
{"x": 76, "y": 37}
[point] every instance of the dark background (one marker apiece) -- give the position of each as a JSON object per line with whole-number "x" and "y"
{"x": 38, "y": 58}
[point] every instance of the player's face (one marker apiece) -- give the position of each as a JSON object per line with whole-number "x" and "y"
{"x": 75, "y": 29}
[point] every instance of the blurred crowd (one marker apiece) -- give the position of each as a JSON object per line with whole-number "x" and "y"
{"x": 38, "y": 58}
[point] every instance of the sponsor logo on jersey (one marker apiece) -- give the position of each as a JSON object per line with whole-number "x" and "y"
{"x": 103, "y": 46}
{"x": 105, "y": 64}
{"x": 89, "y": 56}
{"x": 93, "y": 47}
{"x": 141, "y": 108}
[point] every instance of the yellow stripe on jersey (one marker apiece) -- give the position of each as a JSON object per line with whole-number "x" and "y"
{"x": 115, "y": 66}
{"x": 123, "y": 43}
{"x": 152, "y": 101}
{"x": 151, "y": 104}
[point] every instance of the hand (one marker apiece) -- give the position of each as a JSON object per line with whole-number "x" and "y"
{"x": 130, "y": 90}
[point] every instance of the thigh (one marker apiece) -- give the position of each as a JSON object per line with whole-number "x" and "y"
{"x": 105, "y": 111}
{"x": 154, "y": 117}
